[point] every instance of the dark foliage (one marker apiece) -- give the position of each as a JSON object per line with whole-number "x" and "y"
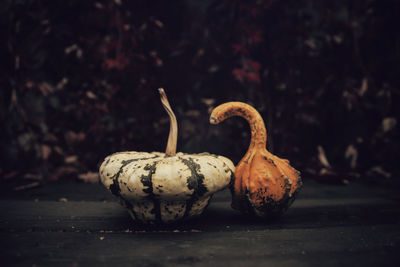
{"x": 79, "y": 81}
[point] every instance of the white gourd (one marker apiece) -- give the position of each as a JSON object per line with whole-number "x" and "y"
{"x": 165, "y": 187}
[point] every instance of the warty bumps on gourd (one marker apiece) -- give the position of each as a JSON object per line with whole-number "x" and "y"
{"x": 165, "y": 187}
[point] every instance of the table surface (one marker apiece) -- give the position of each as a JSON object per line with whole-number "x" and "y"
{"x": 76, "y": 224}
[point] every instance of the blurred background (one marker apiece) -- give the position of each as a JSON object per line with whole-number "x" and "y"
{"x": 79, "y": 81}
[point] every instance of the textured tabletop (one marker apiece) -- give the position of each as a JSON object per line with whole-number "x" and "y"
{"x": 74, "y": 224}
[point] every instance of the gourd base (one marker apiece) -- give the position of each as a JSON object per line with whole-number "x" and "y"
{"x": 163, "y": 211}
{"x": 269, "y": 209}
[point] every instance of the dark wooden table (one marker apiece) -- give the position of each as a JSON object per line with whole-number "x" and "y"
{"x": 72, "y": 224}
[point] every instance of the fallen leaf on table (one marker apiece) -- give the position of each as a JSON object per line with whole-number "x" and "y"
{"x": 378, "y": 170}
{"x": 63, "y": 199}
{"x": 27, "y": 186}
{"x": 46, "y": 151}
{"x": 32, "y": 176}
{"x": 322, "y": 157}
{"x": 89, "y": 177}
{"x": 71, "y": 159}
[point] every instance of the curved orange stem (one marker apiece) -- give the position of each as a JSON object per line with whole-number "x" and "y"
{"x": 257, "y": 126}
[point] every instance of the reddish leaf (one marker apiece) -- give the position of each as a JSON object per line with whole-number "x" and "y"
{"x": 239, "y": 49}
{"x": 253, "y": 65}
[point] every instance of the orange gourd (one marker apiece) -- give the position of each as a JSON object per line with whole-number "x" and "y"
{"x": 264, "y": 185}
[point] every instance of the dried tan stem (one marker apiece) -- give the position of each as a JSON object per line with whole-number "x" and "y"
{"x": 173, "y": 128}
